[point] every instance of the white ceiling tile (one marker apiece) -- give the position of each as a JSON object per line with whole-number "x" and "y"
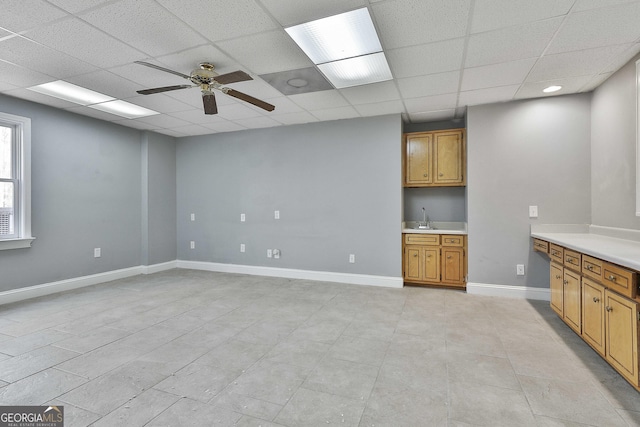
{"x": 289, "y": 12}
{"x": 599, "y": 27}
{"x": 22, "y": 77}
{"x": 85, "y": 43}
{"x": 371, "y": 93}
{"x": 132, "y": 123}
{"x": 257, "y": 122}
{"x": 569, "y": 85}
{"x": 40, "y": 98}
{"x": 492, "y": 14}
{"x": 192, "y": 130}
{"x": 144, "y": 25}
{"x": 6, "y": 86}
{"x": 621, "y": 58}
{"x": 380, "y": 108}
{"x": 164, "y": 121}
{"x": 147, "y": 77}
{"x": 257, "y": 88}
{"x": 510, "y": 44}
{"x": 75, "y": 6}
{"x": 596, "y": 4}
{"x": 319, "y": 100}
{"x": 267, "y": 52}
{"x": 283, "y": 105}
{"x": 237, "y": 111}
{"x": 428, "y": 58}
{"x": 225, "y": 126}
{"x": 107, "y": 83}
{"x": 196, "y": 116}
{"x": 336, "y": 113}
{"x": 432, "y": 116}
{"x": 20, "y": 15}
{"x": 193, "y": 98}
{"x": 595, "y": 82}
{"x": 433, "y": 84}
{"x": 189, "y": 60}
{"x": 159, "y": 102}
{"x": 221, "y": 19}
{"x": 409, "y": 22}
{"x": 29, "y": 54}
{"x": 506, "y": 73}
{"x": 580, "y": 63}
{"x": 170, "y": 132}
{"x": 488, "y": 96}
{"x": 91, "y": 112}
{"x": 430, "y": 103}
{"x": 295, "y": 118}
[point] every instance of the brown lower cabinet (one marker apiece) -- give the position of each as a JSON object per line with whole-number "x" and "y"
{"x": 433, "y": 259}
{"x": 590, "y": 301}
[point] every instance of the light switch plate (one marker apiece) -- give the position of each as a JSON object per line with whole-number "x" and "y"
{"x": 242, "y": 247}
{"x": 242, "y": 217}
{"x": 276, "y": 214}
{"x": 520, "y": 269}
{"x": 193, "y": 217}
{"x": 533, "y": 212}
{"x": 97, "y": 252}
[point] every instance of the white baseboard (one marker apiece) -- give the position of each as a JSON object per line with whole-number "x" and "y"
{"x": 20, "y": 294}
{"x": 289, "y": 273}
{"x": 522, "y": 292}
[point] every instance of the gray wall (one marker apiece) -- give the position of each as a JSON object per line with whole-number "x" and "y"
{"x": 337, "y": 186}
{"x": 441, "y": 203}
{"x": 534, "y": 152}
{"x": 613, "y": 150}
{"x": 87, "y": 193}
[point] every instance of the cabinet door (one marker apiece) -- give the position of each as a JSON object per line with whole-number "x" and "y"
{"x": 593, "y": 314}
{"x": 413, "y": 263}
{"x": 557, "y": 289}
{"x": 452, "y": 265}
{"x": 431, "y": 264}
{"x": 621, "y": 324}
{"x": 572, "y": 300}
{"x": 448, "y": 150}
{"x": 418, "y": 163}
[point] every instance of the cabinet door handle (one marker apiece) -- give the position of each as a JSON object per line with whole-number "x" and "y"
{"x": 596, "y": 299}
{"x": 612, "y": 277}
{"x": 415, "y": 255}
{"x": 425, "y": 175}
{"x": 608, "y": 308}
{"x": 566, "y": 282}
{"x": 449, "y": 257}
{"x": 589, "y": 267}
{"x": 440, "y": 174}
{"x": 558, "y": 277}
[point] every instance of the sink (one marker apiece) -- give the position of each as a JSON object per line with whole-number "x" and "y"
{"x": 424, "y": 227}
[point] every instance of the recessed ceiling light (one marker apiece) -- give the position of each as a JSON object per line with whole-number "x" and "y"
{"x": 552, "y": 89}
{"x": 70, "y": 92}
{"x": 124, "y": 109}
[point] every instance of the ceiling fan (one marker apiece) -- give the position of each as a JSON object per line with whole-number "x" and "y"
{"x": 207, "y": 79}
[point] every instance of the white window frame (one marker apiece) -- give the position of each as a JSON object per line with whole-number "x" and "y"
{"x": 22, "y": 164}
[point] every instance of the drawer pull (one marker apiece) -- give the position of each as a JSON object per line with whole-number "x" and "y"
{"x": 608, "y": 308}
{"x": 596, "y": 299}
{"x": 589, "y": 267}
{"x": 612, "y": 277}
{"x": 558, "y": 277}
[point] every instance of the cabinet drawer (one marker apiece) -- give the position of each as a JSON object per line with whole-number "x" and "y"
{"x": 572, "y": 259}
{"x": 556, "y": 253}
{"x": 448, "y": 240}
{"x": 619, "y": 280}
{"x": 422, "y": 239}
{"x": 540, "y": 246}
{"x": 592, "y": 267}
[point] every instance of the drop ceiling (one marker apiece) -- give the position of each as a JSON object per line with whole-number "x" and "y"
{"x": 444, "y": 55}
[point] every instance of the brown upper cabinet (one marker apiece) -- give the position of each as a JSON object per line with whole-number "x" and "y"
{"x": 435, "y": 159}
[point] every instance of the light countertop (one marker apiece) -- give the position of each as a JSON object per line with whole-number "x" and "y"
{"x": 438, "y": 227}
{"x": 619, "y": 246}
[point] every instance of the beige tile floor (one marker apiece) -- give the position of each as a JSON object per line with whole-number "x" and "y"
{"x": 190, "y": 348}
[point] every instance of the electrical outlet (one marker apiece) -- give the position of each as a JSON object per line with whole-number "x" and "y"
{"x": 192, "y": 244}
{"x": 193, "y": 217}
{"x": 533, "y": 212}
{"x": 276, "y": 253}
{"x": 242, "y": 217}
{"x": 242, "y": 247}
{"x": 352, "y": 258}
{"x": 97, "y": 252}
{"x": 520, "y": 269}
{"x": 276, "y": 214}
{"x": 269, "y": 253}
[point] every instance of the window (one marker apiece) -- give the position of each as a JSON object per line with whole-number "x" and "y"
{"x": 15, "y": 182}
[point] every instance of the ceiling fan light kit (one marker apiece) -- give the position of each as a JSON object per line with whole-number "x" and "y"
{"x": 208, "y": 80}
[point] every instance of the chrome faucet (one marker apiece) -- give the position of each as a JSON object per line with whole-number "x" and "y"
{"x": 425, "y": 221}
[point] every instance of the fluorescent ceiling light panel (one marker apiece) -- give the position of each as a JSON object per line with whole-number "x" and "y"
{"x": 551, "y": 89}
{"x": 337, "y": 37}
{"x": 357, "y": 71}
{"x": 124, "y": 109}
{"x": 70, "y": 92}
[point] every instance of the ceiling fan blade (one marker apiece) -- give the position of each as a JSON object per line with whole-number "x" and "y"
{"x": 233, "y": 77}
{"x": 162, "y": 89}
{"x": 166, "y": 70}
{"x": 209, "y": 101}
{"x": 250, "y": 100}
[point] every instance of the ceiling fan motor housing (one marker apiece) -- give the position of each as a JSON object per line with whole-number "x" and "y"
{"x": 203, "y": 76}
